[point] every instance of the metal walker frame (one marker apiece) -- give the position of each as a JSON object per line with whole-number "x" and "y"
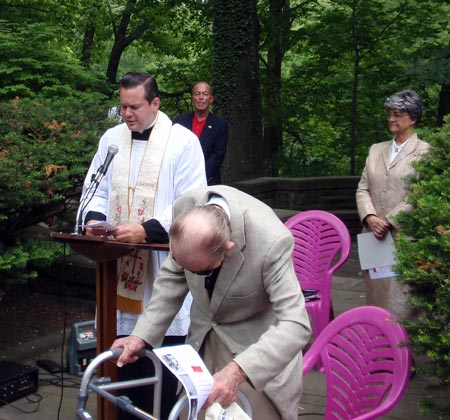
{"x": 103, "y": 387}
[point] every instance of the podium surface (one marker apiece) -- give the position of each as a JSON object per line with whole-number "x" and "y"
{"x": 104, "y": 253}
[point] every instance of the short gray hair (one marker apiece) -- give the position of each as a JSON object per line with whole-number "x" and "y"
{"x": 215, "y": 237}
{"x": 407, "y": 101}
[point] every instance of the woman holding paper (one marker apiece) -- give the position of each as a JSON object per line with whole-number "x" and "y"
{"x": 383, "y": 188}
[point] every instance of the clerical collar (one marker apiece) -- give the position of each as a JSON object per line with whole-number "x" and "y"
{"x": 136, "y": 135}
{"x": 145, "y": 135}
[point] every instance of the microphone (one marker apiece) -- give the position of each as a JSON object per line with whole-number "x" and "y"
{"x": 101, "y": 172}
{"x": 95, "y": 181}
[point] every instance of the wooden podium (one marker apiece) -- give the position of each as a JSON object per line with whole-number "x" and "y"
{"x": 105, "y": 254}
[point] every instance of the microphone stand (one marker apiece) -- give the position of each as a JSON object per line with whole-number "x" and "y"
{"x": 95, "y": 182}
{"x": 89, "y": 193}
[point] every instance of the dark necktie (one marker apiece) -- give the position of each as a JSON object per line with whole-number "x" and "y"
{"x": 136, "y": 135}
{"x": 210, "y": 281}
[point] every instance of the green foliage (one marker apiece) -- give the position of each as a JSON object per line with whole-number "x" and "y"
{"x": 346, "y": 57}
{"x": 35, "y": 61}
{"x": 46, "y": 146}
{"x": 423, "y": 255}
{"x": 326, "y": 47}
{"x": 177, "y": 54}
{"x": 312, "y": 150}
{"x": 20, "y": 261}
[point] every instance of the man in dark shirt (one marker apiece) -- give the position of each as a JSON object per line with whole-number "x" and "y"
{"x": 211, "y": 130}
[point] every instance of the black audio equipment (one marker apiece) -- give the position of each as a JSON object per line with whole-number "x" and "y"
{"x": 17, "y": 381}
{"x": 81, "y": 347}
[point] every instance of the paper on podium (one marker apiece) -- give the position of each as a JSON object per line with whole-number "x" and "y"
{"x": 103, "y": 225}
{"x": 374, "y": 253}
{"x": 185, "y": 363}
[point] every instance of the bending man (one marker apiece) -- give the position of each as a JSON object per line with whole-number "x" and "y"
{"x": 248, "y": 317}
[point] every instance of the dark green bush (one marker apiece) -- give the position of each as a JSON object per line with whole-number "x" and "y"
{"x": 46, "y": 146}
{"x": 423, "y": 257}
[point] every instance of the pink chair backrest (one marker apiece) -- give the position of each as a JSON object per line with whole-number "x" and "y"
{"x": 366, "y": 362}
{"x": 319, "y": 238}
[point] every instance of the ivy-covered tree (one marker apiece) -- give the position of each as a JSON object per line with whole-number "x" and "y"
{"x": 237, "y": 86}
{"x": 423, "y": 257}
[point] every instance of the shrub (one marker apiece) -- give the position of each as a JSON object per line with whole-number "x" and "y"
{"x": 423, "y": 257}
{"x": 46, "y": 146}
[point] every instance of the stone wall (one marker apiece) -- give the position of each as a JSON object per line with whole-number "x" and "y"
{"x": 288, "y": 196}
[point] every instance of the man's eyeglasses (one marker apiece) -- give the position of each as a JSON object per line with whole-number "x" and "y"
{"x": 203, "y": 273}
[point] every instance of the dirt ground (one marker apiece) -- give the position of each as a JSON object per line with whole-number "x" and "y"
{"x": 26, "y": 315}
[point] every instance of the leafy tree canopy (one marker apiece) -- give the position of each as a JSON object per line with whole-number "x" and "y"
{"x": 43, "y": 66}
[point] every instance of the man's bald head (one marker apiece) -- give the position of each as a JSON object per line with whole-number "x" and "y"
{"x": 200, "y": 235}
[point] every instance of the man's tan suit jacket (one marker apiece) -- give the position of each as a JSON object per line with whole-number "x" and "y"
{"x": 257, "y": 308}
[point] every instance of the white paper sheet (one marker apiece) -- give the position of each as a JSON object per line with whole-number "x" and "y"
{"x": 233, "y": 412}
{"x": 185, "y": 363}
{"x": 381, "y": 272}
{"x": 106, "y": 226}
{"x": 375, "y": 253}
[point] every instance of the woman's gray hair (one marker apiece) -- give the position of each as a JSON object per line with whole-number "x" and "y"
{"x": 407, "y": 101}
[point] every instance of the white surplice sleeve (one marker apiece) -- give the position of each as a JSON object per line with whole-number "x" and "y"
{"x": 183, "y": 169}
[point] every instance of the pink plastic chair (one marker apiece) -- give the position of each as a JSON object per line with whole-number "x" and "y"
{"x": 366, "y": 362}
{"x": 322, "y": 245}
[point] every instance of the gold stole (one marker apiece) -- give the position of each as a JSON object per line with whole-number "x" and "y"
{"x": 136, "y": 205}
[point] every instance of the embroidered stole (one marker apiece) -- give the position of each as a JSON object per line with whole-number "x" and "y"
{"x": 135, "y": 204}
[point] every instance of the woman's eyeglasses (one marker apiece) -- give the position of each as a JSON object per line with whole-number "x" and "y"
{"x": 396, "y": 114}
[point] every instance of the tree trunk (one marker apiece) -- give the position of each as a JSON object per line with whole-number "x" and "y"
{"x": 88, "y": 42}
{"x": 444, "y": 99}
{"x": 118, "y": 47}
{"x": 113, "y": 63}
{"x": 444, "y": 104}
{"x": 236, "y": 81}
{"x": 123, "y": 39}
{"x": 355, "y": 85}
{"x": 277, "y": 38}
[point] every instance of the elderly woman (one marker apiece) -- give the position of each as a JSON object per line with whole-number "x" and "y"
{"x": 383, "y": 188}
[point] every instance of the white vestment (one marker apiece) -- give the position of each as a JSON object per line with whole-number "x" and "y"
{"x": 182, "y": 169}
